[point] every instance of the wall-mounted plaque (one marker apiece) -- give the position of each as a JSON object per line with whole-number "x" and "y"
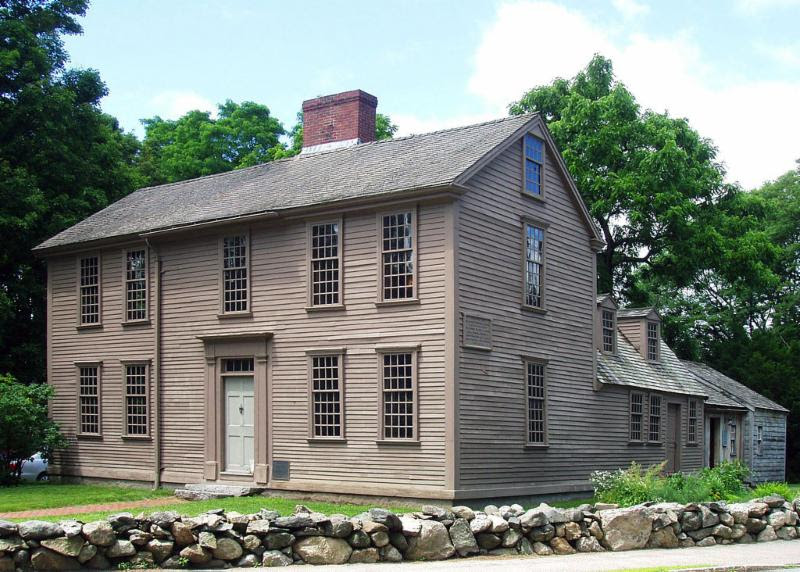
{"x": 477, "y": 332}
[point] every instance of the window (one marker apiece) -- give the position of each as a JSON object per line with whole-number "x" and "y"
{"x": 325, "y": 264}
{"x": 237, "y": 365}
{"x": 733, "y": 452}
{"x": 692, "y": 432}
{"x": 534, "y": 165}
{"x": 535, "y": 382}
{"x": 608, "y": 331}
{"x": 234, "y": 274}
{"x": 397, "y": 248}
{"x": 652, "y": 341}
{"x": 136, "y": 414}
{"x": 534, "y": 265}
{"x": 398, "y": 395}
{"x": 90, "y": 290}
{"x": 759, "y": 439}
{"x": 654, "y": 428}
{"x": 89, "y": 400}
{"x": 326, "y": 396}
{"x": 135, "y": 285}
{"x": 637, "y": 413}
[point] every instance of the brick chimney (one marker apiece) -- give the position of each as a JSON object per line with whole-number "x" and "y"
{"x": 339, "y": 120}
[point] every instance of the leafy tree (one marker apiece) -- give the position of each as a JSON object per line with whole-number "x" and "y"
{"x": 61, "y": 159}
{"x": 25, "y": 428}
{"x": 196, "y": 144}
{"x": 644, "y": 175}
{"x": 384, "y": 129}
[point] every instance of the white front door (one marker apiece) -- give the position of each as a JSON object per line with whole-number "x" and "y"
{"x": 239, "y": 424}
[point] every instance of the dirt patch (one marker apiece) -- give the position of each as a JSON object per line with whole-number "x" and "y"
{"x": 62, "y": 510}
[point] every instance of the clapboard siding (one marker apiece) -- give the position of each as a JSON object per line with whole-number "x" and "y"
{"x": 190, "y": 309}
{"x": 587, "y": 429}
{"x": 770, "y": 464}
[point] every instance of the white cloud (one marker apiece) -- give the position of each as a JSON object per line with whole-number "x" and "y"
{"x": 173, "y": 104}
{"x": 664, "y": 73}
{"x": 630, "y": 9}
{"x": 787, "y": 56}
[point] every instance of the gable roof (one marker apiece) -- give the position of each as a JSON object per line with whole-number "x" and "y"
{"x": 731, "y": 388}
{"x": 369, "y": 170}
{"x": 628, "y": 367}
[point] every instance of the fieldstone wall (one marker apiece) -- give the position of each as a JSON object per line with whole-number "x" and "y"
{"x": 220, "y": 540}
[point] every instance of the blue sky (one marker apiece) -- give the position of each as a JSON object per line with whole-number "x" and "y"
{"x": 732, "y": 68}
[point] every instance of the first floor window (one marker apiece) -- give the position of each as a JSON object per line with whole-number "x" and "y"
{"x": 136, "y": 414}
{"x": 397, "y": 256}
{"x": 326, "y": 396}
{"x": 89, "y": 282}
{"x": 136, "y": 285}
{"x": 654, "y": 432}
{"x": 759, "y": 439}
{"x": 637, "y": 413}
{"x": 398, "y": 395}
{"x": 89, "y": 400}
{"x": 325, "y": 264}
{"x": 692, "y": 421}
{"x": 536, "y": 402}
{"x": 733, "y": 451}
{"x": 234, "y": 273}
{"x": 534, "y": 263}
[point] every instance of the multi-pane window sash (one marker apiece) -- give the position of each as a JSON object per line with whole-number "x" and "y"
{"x": 90, "y": 290}
{"x": 325, "y": 264}
{"x": 654, "y": 429}
{"x": 397, "y": 253}
{"x": 608, "y": 331}
{"x": 759, "y": 439}
{"x": 692, "y": 437}
{"x": 136, "y": 406}
{"x": 733, "y": 452}
{"x": 534, "y": 165}
{"x": 536, "y": 403}
{"x": 237, "y": 365}
{"x": 235, "y": 275}
{"x": 534, "y": 262}
{"x": 398, "y": 396}
{"x": 326, "y": 396}
{"x": 637, "y": 414}
{"x": 89, "y": 400}
{"x": 652, "y": 341}
{"x": 136, "y": 285}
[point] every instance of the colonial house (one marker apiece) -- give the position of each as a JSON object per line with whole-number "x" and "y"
{"x": 408, "y": 318}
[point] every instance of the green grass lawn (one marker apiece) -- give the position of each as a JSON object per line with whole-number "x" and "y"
{"x": 33, "y": 496}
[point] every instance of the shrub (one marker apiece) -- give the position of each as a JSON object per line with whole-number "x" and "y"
{"x": 25, "y": 428}
{"x": 767, "y": 489}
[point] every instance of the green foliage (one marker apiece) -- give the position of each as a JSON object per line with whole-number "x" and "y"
{"x": 25, "y": 428}
{"x": 61, "y": 159}
{"x": 767, "y": 489}
{"x": 142, "y": 565}
{"x": 636, "y": 485}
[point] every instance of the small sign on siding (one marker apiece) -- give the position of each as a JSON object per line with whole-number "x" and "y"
{"x": 476, "y": 332}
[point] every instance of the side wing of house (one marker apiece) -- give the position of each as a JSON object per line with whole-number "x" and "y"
{"x": 768, "y": 435}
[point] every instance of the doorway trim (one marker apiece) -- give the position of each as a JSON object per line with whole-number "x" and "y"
{"x": 239, "y": 345}
{"x": 677, "y": 434}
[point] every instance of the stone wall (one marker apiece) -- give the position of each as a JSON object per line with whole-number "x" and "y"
{"x": 219, "y": 540}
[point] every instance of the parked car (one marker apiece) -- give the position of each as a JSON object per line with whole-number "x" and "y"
{"x": 35, "y": 470}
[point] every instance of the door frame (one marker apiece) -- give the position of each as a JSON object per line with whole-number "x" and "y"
{"x": 678, "y": 437}
{"x": 218, "y": 347}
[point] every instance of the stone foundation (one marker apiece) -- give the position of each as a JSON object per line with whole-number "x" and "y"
{"x": 222, "y": 540}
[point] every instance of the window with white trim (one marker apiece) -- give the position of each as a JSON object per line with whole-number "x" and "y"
{"x": 534, "y": 266}
{"x": 654, "y": 426}
{"x": 90, "y": 290}
{"x": 692, "y": 431}
{"x": 325, "y": 264}
{"x": 137, "y": 422}
{"x": 608, "y": 331}
{"x": 398, "y": 395}
{"x": 135, "y": 285}
{"x": 652, "y": 341}
{"x": 533, "y": 165}
{"x": 397, "y": 256}
{"x": 536, "y": 403}
{"x": 89, "y": 400}
{"x": 235, "y": 277}
{"x": 636, "y": 415}
{"x": 326, "y": 396}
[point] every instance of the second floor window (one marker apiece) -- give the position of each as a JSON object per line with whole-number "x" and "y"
{"x": 534, "y": 165}
{"x": 535, "y": 381}
{"x": 397, "y": 256}
{"x": 326, "y": 396}
{"x": 135, "y": 285}
{"x": 90, "y": 290}
{"x": 652, "y": 341}
{"x": 89, "y": 400}
{"x": 325, "y": 264}
{"x": 608, "y": 331}
{"x": 654, "y": 430}
{"x": 534, "y": 265}
{"x": 136, "y": 402}
{"x": 235, "y": 277}
{"x": 637, "y": 414}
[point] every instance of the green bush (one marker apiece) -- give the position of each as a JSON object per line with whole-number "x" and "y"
{"x": 767, "y": 489}
{"x": 636, "y": 485}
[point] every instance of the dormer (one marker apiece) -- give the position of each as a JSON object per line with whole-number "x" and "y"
{"x": 607, "y": 324}
{"x": 642, "y": 326}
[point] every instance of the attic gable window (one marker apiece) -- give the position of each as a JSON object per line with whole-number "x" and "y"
{"x": 326, "y": 264}
{"x": 533, "y": 167}
{"x": 652, "y": 341}
{"x": 235, "y": 274}
{"x": 609, "y": 340}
